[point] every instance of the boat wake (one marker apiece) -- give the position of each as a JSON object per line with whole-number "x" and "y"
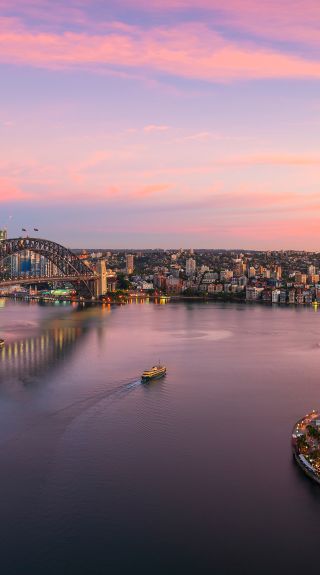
{"x": 89, "y": 402}
{"x": 133, "y": 384}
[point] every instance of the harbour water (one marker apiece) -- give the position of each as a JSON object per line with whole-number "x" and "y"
{"x": 190, "y": 474}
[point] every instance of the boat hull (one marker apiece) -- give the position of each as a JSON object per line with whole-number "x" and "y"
{"x": 147, "y": 379}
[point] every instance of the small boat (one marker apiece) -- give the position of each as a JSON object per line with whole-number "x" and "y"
{"x": 155, "y": 372}
{"x": 1, "y": 343}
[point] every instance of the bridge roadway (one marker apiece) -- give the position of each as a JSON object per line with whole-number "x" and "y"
{"x": 27, "y": 280}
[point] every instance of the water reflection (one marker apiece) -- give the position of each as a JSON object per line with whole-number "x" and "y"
{"x": 38, "y": 353}
{"x": 51, "y": 341}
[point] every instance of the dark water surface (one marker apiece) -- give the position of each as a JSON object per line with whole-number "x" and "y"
{"x": 191, "y": 474}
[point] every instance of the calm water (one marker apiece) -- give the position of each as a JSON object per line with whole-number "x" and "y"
{"x": 191, "y": 474}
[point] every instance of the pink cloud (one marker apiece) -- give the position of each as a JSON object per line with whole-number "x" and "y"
{"x": 217, "y": 164}
{"x": 189, "y": 50}
{"x": 245, "y": 200}
{"x": 280, "y": 159}
{"x": 9, "y": 192}
{"x": 198, "y": 136}
{"x": 287, "y": 21}
{"x": 146, "y": 191}
{"x": 155, "y": 128}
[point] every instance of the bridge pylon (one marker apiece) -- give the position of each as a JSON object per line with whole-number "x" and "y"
{"x": 101, "y": 282}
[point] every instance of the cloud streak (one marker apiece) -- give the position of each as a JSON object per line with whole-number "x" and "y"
{"x": 187, "y": 50}
{"x": 9, "y": 192}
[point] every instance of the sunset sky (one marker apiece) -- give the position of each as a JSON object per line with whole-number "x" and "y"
{"x": 161, "y": 123}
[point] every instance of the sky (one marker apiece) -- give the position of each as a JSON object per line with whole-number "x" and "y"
{"x": 161, "y": 123}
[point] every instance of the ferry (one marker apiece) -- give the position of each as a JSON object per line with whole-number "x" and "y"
{"x": 1, "y": 343}
{"x": 155, "y": 372}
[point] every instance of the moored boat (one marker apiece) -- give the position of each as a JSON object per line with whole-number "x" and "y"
{"x": 155, "y": 372}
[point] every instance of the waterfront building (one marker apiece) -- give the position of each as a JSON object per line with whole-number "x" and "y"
{"x": 283, "y": 296}
{"x": 253, "y": 293}
{"x": 275, "y": 296}
{"x": 292, "y": 296}
{"x": 299, "y": 297}
{"x": 307, "y": 296}
{"x": 266, "y": 296}
{"x": 146, "y": 285}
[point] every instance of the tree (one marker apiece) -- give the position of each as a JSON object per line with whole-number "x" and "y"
{"x": 123, "y": 283}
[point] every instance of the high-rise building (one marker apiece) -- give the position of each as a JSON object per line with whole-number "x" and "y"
{"x": 129, "y": 264}
{"x": 311, "y": 270}
{"x": 25, "y": 262}
{"x": 3, "y": 235}
{"x": 190, "y": 267}
{"x": 278, "y": 271}
{"x": 238, "y": 267}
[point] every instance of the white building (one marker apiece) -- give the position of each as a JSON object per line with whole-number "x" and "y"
{"x": 275, "y": 296}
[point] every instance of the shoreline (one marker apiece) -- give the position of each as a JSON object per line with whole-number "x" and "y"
{"x": 169, "y": 298}
{"x": 299, "y": 457}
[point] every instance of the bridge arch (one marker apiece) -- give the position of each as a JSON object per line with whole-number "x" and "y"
{"x": 66, "y": 262}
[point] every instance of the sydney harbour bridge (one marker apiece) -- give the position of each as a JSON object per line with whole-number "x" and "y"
{"x": 66, "y": 266}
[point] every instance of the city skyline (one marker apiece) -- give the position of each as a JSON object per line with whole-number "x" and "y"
{"x": 160, "y": 125}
